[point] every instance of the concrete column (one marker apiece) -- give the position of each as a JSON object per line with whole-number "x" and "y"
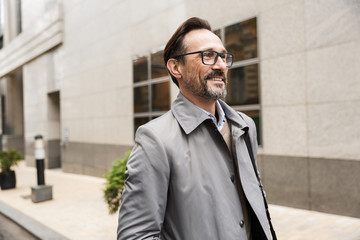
{"x": 14, "y": 104}
{"x": 12, "y": 112}
{"x": 12, "y": 17}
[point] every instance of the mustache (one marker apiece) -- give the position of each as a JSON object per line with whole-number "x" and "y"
{"x": 216, "y": 73}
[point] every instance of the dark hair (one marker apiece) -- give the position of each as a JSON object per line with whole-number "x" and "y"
{"x": 175, "y": 45}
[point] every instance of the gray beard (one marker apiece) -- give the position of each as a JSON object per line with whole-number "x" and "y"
{"x": 205, "y": 92}
{"x": 213, "y": 95}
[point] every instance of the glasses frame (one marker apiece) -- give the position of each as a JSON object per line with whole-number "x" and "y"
{"x": 215, "y": 60}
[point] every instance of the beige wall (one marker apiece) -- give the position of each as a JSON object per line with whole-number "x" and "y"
{"x": 44, "y": 34}
{"x": 41, "y": 108}
{"x": 32, "y": 11}
{"x": 35, "y": 76}
{"x": 97, "y": 64}
{"x": 310, "y": 79}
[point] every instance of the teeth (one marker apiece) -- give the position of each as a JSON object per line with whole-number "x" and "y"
{"x": 216, "y": 79}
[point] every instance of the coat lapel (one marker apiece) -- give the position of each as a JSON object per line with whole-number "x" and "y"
{"x": 187, "y": 114}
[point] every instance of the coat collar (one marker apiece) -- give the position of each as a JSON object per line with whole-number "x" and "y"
{"x": 190, "y": 117}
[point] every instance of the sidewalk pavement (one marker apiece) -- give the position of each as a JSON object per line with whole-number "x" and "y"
{"x": 78, "y": 210}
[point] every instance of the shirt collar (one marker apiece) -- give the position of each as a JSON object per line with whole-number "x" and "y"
{"x": 190, "y": 116}
{"x": 220, "y": 112}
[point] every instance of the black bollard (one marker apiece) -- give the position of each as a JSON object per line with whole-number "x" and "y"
{"x": 41, "y": 192}
{"x": 40, "y": 156}
{"x": 40, "y": 171}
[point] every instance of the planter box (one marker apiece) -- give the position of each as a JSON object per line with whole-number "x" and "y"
{"x": 8, "y": 180}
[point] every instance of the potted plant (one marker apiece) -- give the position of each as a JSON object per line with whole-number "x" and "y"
{"x": 114, "y": 185}
{"x": 7, "y": 160}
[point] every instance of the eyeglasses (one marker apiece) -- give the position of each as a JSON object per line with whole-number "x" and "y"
{"x": 209, "y": 57}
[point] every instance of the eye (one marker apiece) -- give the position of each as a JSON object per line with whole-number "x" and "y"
{"x": 209, "y": 54}
{"x": 223, "y": 55}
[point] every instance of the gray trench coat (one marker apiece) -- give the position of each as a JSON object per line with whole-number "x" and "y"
{"x": 179, "y": 178}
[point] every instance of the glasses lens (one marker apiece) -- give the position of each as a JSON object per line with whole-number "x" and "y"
{"x": 229, "y": 60}
{"x": 209, "y": 57}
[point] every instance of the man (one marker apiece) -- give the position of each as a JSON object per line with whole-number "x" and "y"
{"x": 190, "y": 174}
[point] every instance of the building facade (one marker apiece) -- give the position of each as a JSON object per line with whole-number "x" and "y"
{"x": 86, "y": 74}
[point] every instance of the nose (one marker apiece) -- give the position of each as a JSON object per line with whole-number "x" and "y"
{"x": 220, "y": 64}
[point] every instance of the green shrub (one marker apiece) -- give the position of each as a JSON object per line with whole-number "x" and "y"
{"x": 8, "y": 159}
{"x": 114, "y": 185}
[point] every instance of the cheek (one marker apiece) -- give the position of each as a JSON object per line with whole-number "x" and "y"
{"x": 203, "y": 71}
{"x": 195, "y": 72}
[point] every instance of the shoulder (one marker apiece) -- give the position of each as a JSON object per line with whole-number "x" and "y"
{"x": 159, "y": 124}
{"x": 158, "y": 129}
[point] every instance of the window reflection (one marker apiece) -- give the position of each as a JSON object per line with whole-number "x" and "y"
{"x": 149, "y": 105}
{"x": 255, "y": 115}
{"x": 140, "y": 69}
{"x": 141, "y": 99}
{"x": 139, "y": 121}
{"x": 243, "y": 85}
{"x": 158, "y": 68}
{"x": 243, "y": 79}
{"x": 160, "y": 96}
{"x": 241, "y": 39}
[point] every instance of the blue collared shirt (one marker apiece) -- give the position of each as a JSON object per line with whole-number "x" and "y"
{"x": 219, "y": 124}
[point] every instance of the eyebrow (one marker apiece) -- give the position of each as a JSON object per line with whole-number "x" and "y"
{"x": 211, "y": 49}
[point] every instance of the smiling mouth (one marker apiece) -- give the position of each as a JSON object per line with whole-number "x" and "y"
{"x": 216, "y": 79}
{"x": 216, "y": 76}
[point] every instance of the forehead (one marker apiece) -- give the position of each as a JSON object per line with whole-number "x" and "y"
{"x": 202, "y": 39}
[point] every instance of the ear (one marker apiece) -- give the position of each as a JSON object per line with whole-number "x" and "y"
{"x": 174, "y": 68}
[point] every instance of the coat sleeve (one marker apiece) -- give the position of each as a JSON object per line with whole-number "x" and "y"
{"x": 253, "y": 136}
{"x": 144, "y": 197}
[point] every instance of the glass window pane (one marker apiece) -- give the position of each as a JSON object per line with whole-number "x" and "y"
{"x": 241, "y": 40}
{"x": 158, "y": 68}
{"x": 141, "y": 99}
{"x": 243, "y": 85}
{"x": 139, "y": 121}
{"x": 255, "y": 115}
{"x": 160, "y": 93}
{"x": 140, "y": 69}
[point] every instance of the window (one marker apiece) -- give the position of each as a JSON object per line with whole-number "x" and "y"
{"x": 1, "y": 23}
{"x": 243, "y": 77}
{"x": 151, "y": 88}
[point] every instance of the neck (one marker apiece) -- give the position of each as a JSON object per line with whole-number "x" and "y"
{"x": 206, "y": 104}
